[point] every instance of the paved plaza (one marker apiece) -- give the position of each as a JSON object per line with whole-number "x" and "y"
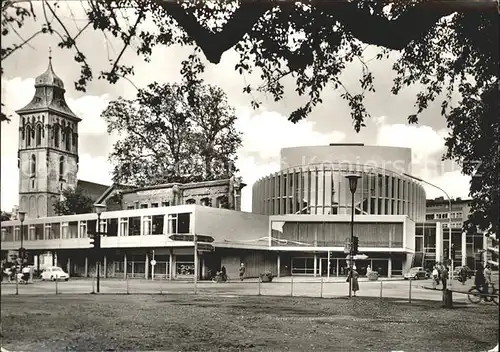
{"x": 297, "y": 287}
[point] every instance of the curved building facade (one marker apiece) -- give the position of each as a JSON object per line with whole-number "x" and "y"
{"x": 312, "y": 181}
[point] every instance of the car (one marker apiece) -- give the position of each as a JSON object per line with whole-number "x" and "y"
{"x": 54, "y": 273}
{"x": 416, "y": 273}
{"x": 469, "y": 271}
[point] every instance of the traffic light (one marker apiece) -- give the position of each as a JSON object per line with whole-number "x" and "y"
{"x": 355, "y": 245}
{"x": 452, "y": 251}
{"x": 95, "y": 240}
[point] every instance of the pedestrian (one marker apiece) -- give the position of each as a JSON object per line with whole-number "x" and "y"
{"x": 26, "y": 273}
{"x": 355, "y": 284}
{"x": 487, "y": 277}
{"x": 223, "y": 273}
{"x": 435, "y": 276}
{"x": 444, "y": 276}
{"x": 480, "y": 280}
{"x": 242, "y": 271}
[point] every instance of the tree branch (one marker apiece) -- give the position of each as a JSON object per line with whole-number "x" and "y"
{"x": 212, "y": 44}
{"x": 369, "y": 28}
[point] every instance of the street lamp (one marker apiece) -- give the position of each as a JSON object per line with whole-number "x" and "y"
{"x": 21, "y": 215}
{"x": 99, "y": 208}
{"x": 353, "y": 183}
{"x": 449, "y": 216}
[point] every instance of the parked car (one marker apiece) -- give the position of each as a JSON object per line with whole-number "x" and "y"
{"x": 416, "y": 273}
{"x": 469, "y": 271}
{"x": 54, "y": 273}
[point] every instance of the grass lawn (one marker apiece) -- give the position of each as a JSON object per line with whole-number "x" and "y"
{"x": 202, "y": 323}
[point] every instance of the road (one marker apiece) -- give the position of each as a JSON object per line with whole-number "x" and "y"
{"x": 300, "y": 287}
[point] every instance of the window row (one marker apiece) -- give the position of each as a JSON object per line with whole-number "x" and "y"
{"x": 132, "y": 226}
{"x": 34, "y": 135}
{"x": 334, "y": 182}
{"x": 454, "y": 215}
{"x": 33, "y": 166}
{"x": 334, "y": 234}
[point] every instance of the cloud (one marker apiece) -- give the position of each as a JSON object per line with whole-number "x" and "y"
{"x": 94, "y": 169}
{"x": 10, "y": 182}
{"x": 454, "y": 183}
{"x": 424, "y": 141}
{"x": 252, "y": 170}
{"x": 89, "y": 109}
{"x": 427, "y": 146}
{"x": 265, "y": 134}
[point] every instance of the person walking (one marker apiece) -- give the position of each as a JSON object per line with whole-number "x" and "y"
{"x": 480, "y": 280}
{"x": 435, "y": 276}
{"x": 355, "y": 284}
{"x": 444, "y": 276}
{"x": 223, "y": 273}
{"x": 487, "y": 277}
{"x": 242, "y": 271}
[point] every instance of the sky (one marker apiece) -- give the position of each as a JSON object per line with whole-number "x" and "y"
{"x": 265, "y": 130}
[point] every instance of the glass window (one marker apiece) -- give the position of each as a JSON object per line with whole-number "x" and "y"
{"x": 56, "y": 135}
{"x": 183, "y": 222}
{"x": 31, "y": 235}
{"x": 64, "y": 229}
{"x": 91, "y": 226}
{"x": 112, "y": 227}
{"x": 165, "y": 204}
{"x": 38, "y": 232}
{"x": 144, "y": 206}
{"x": 48, "y": 233}
{"x": 146, "y": 225}
{"x": 55, "y": 230}
{"x": 172, "y": 223}
{"x": 123, "y": 226}
{"x": 61, "y": 166}
{"x": 73, "y": 229}
{"x": 83, "y": 229}
{"x": 8, "y": 233}
{"x": 103, "y": 226}
{"x": 130, "y": 207}
{"x": 154, "y": 205}
{"x": 158, "y": 221}
{"x": 134, "y": 226}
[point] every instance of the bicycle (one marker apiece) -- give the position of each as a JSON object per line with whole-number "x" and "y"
{"x": 475, "y": 293}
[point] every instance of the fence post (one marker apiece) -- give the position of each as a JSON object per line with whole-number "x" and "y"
{"x": 56, "y": 286}
{"x": 93, "y": 289}
{"x": 259, "y": 280}
{"x": 321, "y": 288}
{"x": 161, "y": 284}
{"x": 291, "y": 286}
{"x": 126, "y": 279}
{"x": 409, "y": 293}
{"x": 381, "y": 283}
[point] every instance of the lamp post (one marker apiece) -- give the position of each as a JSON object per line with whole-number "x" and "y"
{"x": 449, "y": 216}
{"x": 353, "y": 183}
{"x": 21, "y": 215}
{"x": 98, "y": 209}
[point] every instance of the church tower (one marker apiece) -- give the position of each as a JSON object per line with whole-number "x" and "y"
{"x": 48, "y": 147}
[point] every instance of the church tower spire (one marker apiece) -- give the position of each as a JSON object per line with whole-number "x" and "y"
{"x": 48, "y": 146}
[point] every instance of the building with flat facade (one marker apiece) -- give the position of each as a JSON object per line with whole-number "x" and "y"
{"x": 432, "y": 237}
